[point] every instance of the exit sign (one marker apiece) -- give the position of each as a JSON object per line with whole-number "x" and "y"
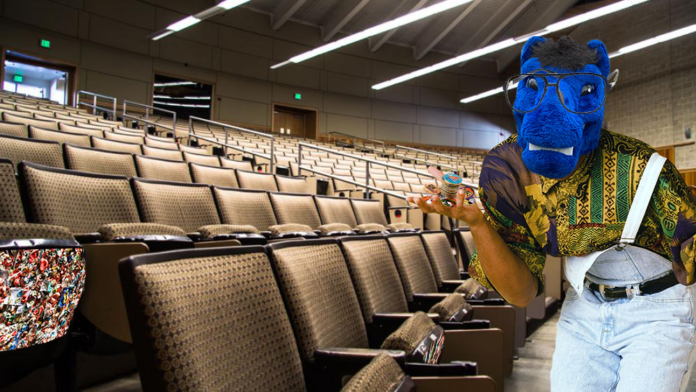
{"x": 298, "y": 96}
{"x": 18, "y": 78}
{"x": 45, "y": 43}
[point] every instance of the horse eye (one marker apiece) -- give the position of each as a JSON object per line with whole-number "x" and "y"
{"x": 532, "y": 83}
{"x": 587, "y": 89}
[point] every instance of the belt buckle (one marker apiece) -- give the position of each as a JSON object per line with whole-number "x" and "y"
{"x": 602, "y": 287}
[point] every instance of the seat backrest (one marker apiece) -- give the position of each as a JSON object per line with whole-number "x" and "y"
{"x": 412, "y": 263}
{"x": 307, "y": 185}
{"x": 208, "y": 160}
{"x": 374, "y": 275}
{"x": 169, "y": 298}
{"x": 172, "y": 155}
{"x": 188, "y": 206}
{"x": 113, "y": 145}
{"x": 261, "y": 181}
{"x": 82, "y": 202}
{"x": 93, "y": 160}
{"x": 162, "y": 169}
{"x": 298, "y": 209}
{"x": 29, "y": 121}
{"x": 335, "y": 210}
{"x": 439, "y": 251}
{"x": 12, "y": 129}
{"x": 11, "y": 209}
{"x": 401, "y": 186}
{"x": 312, "y": 270}
{"x": 241, "y": 165}
{"x": 369, "y": 211}
{"x": 218, "y": 176}
{"x": 119, "y": 137}
{"x": 43, "y": 152}
{"x": 60, "y": 137}
{"x": 78, "y": 130}
{"x": 152, "y": 142}
{"x": 467, "y": 247}
{"x": 194, "y": 150}
{"x": 245, "y": 207}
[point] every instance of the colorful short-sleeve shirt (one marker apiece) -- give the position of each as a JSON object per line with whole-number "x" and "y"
{"x": 586, "y": 212}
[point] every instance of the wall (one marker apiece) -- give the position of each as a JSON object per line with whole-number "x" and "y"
{"x": 655, "y": 98}
{"x": 106, "y": 39}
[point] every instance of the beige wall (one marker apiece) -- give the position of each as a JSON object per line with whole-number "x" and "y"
{"x": 655, "y": 98}
{"x": 106, "y": 39}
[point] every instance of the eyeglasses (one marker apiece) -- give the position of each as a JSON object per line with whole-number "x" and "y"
{"x": 580, "y": 93}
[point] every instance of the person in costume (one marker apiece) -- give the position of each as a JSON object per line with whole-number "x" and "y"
{"x": 564, "y": 186}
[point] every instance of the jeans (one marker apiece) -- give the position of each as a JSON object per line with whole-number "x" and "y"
{"x": 624, "y": 345}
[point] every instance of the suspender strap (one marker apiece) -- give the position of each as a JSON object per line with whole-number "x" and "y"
{"x": 642, "y": 199}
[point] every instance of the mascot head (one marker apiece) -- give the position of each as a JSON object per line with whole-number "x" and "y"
{"x": 559, "y": 105}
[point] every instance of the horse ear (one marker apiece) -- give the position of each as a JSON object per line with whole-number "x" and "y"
{"x": 527, "y": 49}
{"x": 602, "y": 56}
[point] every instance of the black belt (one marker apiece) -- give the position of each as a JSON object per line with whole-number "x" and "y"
{"x": 650, "y": 287}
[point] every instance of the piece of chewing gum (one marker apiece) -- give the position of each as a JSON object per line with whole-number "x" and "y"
{"x": 451, "y": 184}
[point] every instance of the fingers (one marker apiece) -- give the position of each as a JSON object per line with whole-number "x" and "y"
{"x": 439, "y": 207}
{"x": 422, "y": 203}
{"x": 461, "y": 195}
{"x": 435, "y": 172}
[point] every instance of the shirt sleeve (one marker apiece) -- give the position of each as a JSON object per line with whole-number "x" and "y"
{"x": 519, "y": 240}
{"x": 675, "y": 205}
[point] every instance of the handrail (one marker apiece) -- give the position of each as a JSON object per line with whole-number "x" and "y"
{"x": 94, "y": 105}
{"x": 242, "y": 149}
{"x": 426, "y": 161}
{"x": 358, "y": 137}
{"x": 426, "y": 152}
{"x": 154, "y": 123}
{"x": 370, "y": 187}
{"x": 226, "y": 127}
{"x": 147, "y": 114}
{"x": 367, "y": 165}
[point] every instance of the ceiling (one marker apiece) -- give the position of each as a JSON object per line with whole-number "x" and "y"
{"x": 452, "y": 32}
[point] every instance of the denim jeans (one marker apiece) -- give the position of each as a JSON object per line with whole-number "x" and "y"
{"x": 624, "y": 345}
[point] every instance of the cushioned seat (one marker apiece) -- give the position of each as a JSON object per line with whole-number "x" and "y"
{"x": 241, "y": 165}
{"x": 162, "y": 153}
{"x": 99, "y": 161}
{"x": 194, "y": 150}
{"x": 162, "y": 169}
{"x": 218, "y": 176}
{"x": 188, "y": 206}
{"x": 335, "y": 210}
{"x": 113, "y": 145}
{"x": 305, "y": 185}
{"x": 60, "y": 137}
{"x": 7, "y": 128}
{"x": 11, "y": 209}
{"x": 299, "y": 209}
{"x": 245, "y": 207}
{"x": 170, "y": 144}
{"x": 208, "y": 160}
{"x": 43, "y": 152}
{"x": 78, "y": 130}
{"x": 261, "y": 181}
{"x": 181, "y": 345}
{"x": 444, "y": 264}
{"x": 52, "y": 125}
{"x": 382, "y": 374}
{"x": 124, "y": 138}
{"x": 369, "y": 211}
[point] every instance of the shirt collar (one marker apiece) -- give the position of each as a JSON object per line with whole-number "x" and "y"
{"x": 576, "y": 184}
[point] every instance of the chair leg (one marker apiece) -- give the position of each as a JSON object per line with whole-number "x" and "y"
{"x": 65, "y": 368}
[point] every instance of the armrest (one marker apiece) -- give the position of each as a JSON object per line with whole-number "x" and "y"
{"x": 196, "y": 236}
{"x": 353, "y": 356}
{"x": 423, "y": 301}
{"x": 243, "y": 238}
{"x": 159, "y": 243}
{"x": 88, "y": 238}
{"x": 384, "y": 324}
{"x": 297, "y": 234}
{"x": 452, "y": 369}
{"x": 409, "y": 207}
{"x": 463, "y": 325}
{"x": 464, "y": 275}
{"x": 488, "y": 301}
{"x": 448, "y": 286}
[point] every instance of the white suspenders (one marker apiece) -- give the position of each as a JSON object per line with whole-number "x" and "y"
{"x": 577, "y": 266}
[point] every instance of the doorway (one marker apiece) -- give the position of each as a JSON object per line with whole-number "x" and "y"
{"x": 295, "y": 121}
{"x": 38, "y": 78}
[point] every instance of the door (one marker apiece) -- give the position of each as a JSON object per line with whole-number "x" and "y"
{"x": 294, "y": 121}
{"x": 38, "y": 78}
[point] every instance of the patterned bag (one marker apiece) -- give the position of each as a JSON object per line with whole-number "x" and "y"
{"x": 41, "y": 282}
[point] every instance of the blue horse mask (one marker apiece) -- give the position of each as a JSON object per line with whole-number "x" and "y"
{"x": 559, "y": 116}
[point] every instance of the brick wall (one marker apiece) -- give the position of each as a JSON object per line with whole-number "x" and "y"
{"x": 655, "y": 98}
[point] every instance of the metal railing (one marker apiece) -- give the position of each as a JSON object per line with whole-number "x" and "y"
{"x": 355, "y": 138}
{"x": 147, "y": 115}
{"x": 226, "y": 145}
{"x": 94, "y": 105}
{"x": 367, "y": 161}
{"x": 431, "y": 163}
{"x": 426, "y": 152}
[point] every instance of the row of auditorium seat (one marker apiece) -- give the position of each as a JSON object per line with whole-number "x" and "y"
{"x": 291, "y": 340}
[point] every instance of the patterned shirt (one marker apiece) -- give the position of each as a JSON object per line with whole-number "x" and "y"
{"x": 586, "y": 212}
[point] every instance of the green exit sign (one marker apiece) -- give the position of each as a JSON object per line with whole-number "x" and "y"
{"x": 45, "y": 43}
{"x": 298, "y": 96}
{"x": 18, "y": 78}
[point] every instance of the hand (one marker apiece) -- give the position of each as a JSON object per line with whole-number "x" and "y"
{"x": 470, "y": 214}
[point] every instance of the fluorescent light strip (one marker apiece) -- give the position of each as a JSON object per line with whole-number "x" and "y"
{"x": 510, "y": 42}
{"x": 194, "y": 19}
{"x": 625, "y": 50}
{"x": 189, "y": 98}
{"x": 184, "y": 105}
{"x": 174, "y": 84}
{"x": 375, "y": 30}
